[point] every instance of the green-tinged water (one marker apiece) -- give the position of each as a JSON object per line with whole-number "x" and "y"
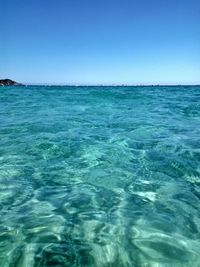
{"x": 99, "y": 176}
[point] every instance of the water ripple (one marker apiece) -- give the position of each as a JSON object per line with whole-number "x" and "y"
{"x": 99, "y": 176}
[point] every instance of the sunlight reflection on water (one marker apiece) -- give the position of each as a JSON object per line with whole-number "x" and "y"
{"x": 99, "y": 176}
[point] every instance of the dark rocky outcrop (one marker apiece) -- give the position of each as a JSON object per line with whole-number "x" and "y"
{"x": 6, "y": 82}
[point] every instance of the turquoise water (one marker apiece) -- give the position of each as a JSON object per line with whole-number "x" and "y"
{"x": 99, "y": 176}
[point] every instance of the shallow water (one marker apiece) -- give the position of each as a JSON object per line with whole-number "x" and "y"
{"x": 99, "y": 176}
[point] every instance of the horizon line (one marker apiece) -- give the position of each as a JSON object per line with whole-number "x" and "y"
{"x": 109, "y": 85}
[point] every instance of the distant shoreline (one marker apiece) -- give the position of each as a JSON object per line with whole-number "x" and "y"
{"x": 9, "y": 82}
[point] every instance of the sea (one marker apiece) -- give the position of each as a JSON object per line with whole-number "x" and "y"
{"x": 100, "y": 176}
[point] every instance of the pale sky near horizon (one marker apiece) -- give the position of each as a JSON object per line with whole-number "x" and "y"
{"x": 100, "y": 42}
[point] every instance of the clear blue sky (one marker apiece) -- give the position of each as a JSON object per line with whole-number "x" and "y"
{"x": 100, "y": 42}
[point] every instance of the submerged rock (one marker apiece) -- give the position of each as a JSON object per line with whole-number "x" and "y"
{"x": 6, "y": 82}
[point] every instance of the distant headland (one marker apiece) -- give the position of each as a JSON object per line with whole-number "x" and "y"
{"x": 7, "y": 82}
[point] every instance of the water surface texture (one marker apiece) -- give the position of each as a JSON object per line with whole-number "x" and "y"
{"x": 99, "y": 176}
